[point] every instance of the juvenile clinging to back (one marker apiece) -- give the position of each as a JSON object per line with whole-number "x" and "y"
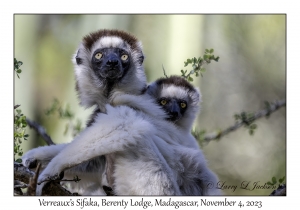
{"x": 180, "y": 102}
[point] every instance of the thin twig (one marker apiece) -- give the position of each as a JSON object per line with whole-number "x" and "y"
{"x": 40, "y": 130}
{"x": 18, "y": 184}
{"x": 265, "y": 112}
{"x": 196, "y": 68}
{"x": 56, "y": 179}
{"x": 33, "y": 181}
{"x": 164, "y": 71}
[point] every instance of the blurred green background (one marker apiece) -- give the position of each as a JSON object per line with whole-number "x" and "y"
{"x": 251, "y": 70}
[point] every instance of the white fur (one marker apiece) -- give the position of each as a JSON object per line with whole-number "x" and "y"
{"x": 148, "y": 105}
{"x": 42, "y": 154}
{"x": 195, "y": 178}
{"x": 148, "y": 154}
{"x": 177, "y": 151}
{"x": 173, "y": 91}
{"x": 128, "y": 135}
{"x": 110, "y": 42}
{"x": 144, "y": 103}
{"x": 90, "y": 182}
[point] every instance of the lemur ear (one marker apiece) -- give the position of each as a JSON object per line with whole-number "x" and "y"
{"x": 78, "y": 59}
{"x": 141, "y": 59}
{"x": 152, "y": 89}
{"x": 196, "y": 96}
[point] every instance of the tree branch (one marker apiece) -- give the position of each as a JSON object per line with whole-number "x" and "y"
{"x": 16, "y": 106}
{"x": 23, "y": 174}
{"x": 40, "y": 130}
{"x": 262, "y": 113}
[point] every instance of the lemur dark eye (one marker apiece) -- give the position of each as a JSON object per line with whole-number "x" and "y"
{"x": 98, "y": 56}
{"x": 183, "y": 105}
{"x": 124, "y": 57}
{"x": 163, "y": 102}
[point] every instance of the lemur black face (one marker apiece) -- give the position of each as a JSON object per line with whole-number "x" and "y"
{"x": 175, "y": 108}
{"x": 110, "y": 63}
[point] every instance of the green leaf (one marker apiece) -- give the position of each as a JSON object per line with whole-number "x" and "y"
{"x": 211, "y": 51}
{"x": 274, "y": 180}
{"x": 19, "y": 160}
{"x": 237, "y": 117}
{"x": 269, "y": 183}
{"x": 253, "y": 126}
{"x": 182, "y": 73}
{"x": 281, "y": 180}
{"x": 190, "y": 79}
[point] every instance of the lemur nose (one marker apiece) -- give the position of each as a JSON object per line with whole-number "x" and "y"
{"x": 112, "y": 62}
{"x": 174, "y": 113}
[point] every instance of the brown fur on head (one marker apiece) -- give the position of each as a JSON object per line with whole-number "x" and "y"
{"x": 91, "y": 38}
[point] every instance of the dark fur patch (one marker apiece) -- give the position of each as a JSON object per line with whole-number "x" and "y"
{"x": 91, "y": 38}
{"x": 177, "y": 81}
{"x": 108, "y": 191}
{"x": 91, "y": 120}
